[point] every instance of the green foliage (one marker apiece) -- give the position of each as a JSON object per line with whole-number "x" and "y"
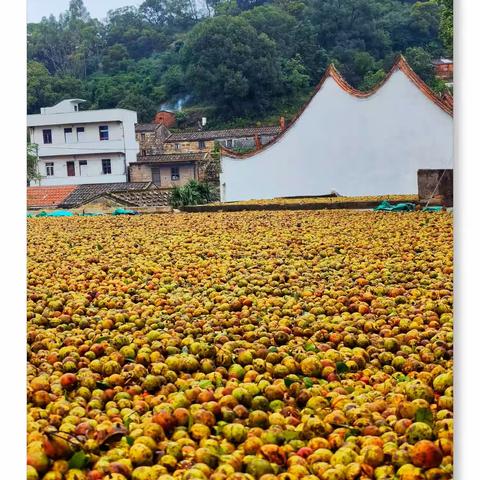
{"x": 192, "y": 193}
{"x": 228, "y": 62}
{"x": 446, "y": 25}
{"x": 32, "y": 163}
{"x": 421, "y": 61}
{"x": 245, "y": 61}
{"x": 372, "y": 79}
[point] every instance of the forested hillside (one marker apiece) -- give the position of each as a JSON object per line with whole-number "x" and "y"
{"x": 237, "y": 61}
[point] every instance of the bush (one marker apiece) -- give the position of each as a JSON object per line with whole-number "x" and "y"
{"x": 192, "y": 193}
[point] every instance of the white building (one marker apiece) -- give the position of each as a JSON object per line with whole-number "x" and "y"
{"x": 355, "y": 143}
{"x": 77, "y": 147}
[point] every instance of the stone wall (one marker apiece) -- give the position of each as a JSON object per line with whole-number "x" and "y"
{"x": 140, "y": 173}
{"x": 151, "y": 143}
{"x": 143, "y": 173}
{"x": 188, "y": 147}
{"x": 439, "y": 179}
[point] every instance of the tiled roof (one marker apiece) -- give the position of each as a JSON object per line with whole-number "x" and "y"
{"x": 146, "y": 127}
{"x": 153, "y": 197}
{"x": 442, "y": 61}
{"x": 38, "y": 197}
{"x": 220, "y": 134}
{"x": 83, "y": 194}
{"x": 171, "y": 157}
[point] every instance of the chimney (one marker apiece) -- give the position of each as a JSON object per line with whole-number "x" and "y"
{"x": 282, "y": 123}
{"x": 258, "y": 144}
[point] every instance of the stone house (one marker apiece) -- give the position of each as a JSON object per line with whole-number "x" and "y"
{"x": 235, "y": 139}
{"x": 170, "y": 170}
{"x": 150, "y": 137}
{"x": 172, "y": 159}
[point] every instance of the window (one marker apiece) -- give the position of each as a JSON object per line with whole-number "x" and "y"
{"x": 175, "y": 173}
{"x": 67, "y": 132}
{"x": 47, "y": 136}
{"x": 82, "y": 163}
{"x": 177, "y": 146}
{"x": 144, "y": 152}
{"x": 103, "y": 130}
{"x": 75, "y": 108}
{"x": 71, "y": 169}
{"x": 143, "y": 136}
{"x": 201, "y": 144}
{"x": 49, "y": 167}
{"x": 106, "y": 166}
{"x": 229, "y": 143}
{"x": 80, "y": 134}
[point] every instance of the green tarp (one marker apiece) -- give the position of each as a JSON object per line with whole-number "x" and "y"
{"x": 60, "y": 213}
{"x": 122, "y": 211}
{"x": 385, "y": 206}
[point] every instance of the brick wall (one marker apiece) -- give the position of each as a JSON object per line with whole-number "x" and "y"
{"x": 165, "y": 118}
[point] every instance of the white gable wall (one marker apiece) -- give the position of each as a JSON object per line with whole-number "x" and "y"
{"x": 355, "y": 146}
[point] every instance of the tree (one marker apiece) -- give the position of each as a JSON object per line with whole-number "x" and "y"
{"x": 77, "y": 11}
{"x": 446, "y": 25}
{"x": 372, "y": 79}
{"x": 177, "y": 15}
{"x": 278, "y": 25}
{"x": 39, "y": 87}
{"x": 128, "y": 27}
{"x": 116, "y": 59}
{"x": 230, "y": 64}
{"x": 248, "y": 4}
{"x": 421, "y": 62}
{"x": 32, "y": 163}
{"x": 144, "y": 106}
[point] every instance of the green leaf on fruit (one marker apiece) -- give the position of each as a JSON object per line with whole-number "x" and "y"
{"x": 289, "y": 435}
{"x": 205, "y": 384}
{"x": 130, "y": 440}
{"x": 79, "y": 460}
{"x": 352, "y": 432}
{"x": 102, "y": 385}
{"x": 308, "y": 382}
{"x": 101, "y": 339}
{"x": 288, "y": 382}
{"x": 424, "y": 415}
{"x": 342, "y": 367}
{"x": 310, "y": 347}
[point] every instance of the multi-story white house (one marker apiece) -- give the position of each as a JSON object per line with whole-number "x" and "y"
{"x": 78, "y": 147}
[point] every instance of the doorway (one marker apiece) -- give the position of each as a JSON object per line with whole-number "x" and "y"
{"x": 156, "y": 175}
{"x": 71, "y": 169}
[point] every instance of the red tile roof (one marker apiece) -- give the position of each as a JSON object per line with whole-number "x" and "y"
{"x": 38, "y": 197}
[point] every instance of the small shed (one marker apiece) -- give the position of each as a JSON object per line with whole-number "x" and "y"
{"x": 435, "y": 186}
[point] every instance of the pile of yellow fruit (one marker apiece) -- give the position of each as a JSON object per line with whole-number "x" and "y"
{"x": 229, "y": 346}
{"x": 322, "y": 200}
